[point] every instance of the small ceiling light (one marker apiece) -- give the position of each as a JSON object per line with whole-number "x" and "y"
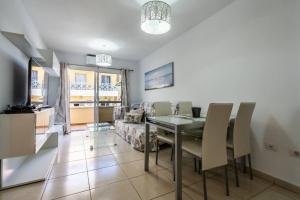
{"x": 156, "y": 17}
{"x": 103, "y": 60}
{"x": 103, "y": 45}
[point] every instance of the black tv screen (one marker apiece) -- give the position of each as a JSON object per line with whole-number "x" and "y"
{"x": 37, "y": 84}
{"x": 28, "y": 102}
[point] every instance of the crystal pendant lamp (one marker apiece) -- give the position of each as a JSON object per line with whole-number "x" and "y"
{"x": 156, "y": 17}
{"x": 103, "y": 60}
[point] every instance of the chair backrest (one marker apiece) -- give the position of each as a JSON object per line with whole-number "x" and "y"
{"x": 162, "y": 108}
{"x": 184, "y": 108}
{"x": 241, "y": 130}
{"x": 214, "y": 142}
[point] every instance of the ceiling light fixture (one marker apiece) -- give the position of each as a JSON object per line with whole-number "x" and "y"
{"x": 103, "y": 60}
{"x": 156, "y": 17}
{"x": 103, "y": 45}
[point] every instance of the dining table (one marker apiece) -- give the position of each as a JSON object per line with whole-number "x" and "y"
{"x": 177, "y": 125}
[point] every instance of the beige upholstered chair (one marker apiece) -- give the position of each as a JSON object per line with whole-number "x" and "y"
{"x": 239, "y": 141}
{"x": 162, "y": 108}
{"x": 184, "y": 108}
{"x": 212, "y": 148}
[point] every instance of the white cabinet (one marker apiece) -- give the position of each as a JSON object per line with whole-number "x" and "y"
{"x": 28, "y": 147}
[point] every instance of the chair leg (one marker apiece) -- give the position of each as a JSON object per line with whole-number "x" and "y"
{"x": 172, "y": 152}
{"x": 157, "y": 149}
{"x": 204, "y": 185}
{"x": 226, "y": 181}
{"x": 195, "y": 164}
{"x": 173, "y": 170}
{"x": 236, "y": 173}
{"x": 235, "y": 170}
{"x": 200, "y": 167}
{"x": 250, "y": 167}
{"x": 244, "y": 164}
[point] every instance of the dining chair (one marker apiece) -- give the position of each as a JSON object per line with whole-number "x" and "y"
{"x": 239, "y": 139}
{"x": 163, "y": 109}
{"x": 184, "y": 108}
{"x": 212, "y": 148}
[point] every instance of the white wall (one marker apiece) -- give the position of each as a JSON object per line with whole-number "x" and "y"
{"x": 133, "y": 85}
{"x": 249, "y": 51}
{"x": 13, "y": 63}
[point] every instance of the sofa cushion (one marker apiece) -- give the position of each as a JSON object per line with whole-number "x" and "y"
{"x": 134, "y": 116}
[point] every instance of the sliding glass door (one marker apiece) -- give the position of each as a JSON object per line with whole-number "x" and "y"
{"x": 109, "y": 96}
{"x": 82, "y": 98}
{"x": 94, "y": 93}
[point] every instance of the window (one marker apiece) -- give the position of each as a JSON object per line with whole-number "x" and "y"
{"x": 105, "y": 79}
{"x": 34, "y": 79}
{"x": 80, "y": 79}
{"x": 34, "y": 75}
{"x": 37, "y": 84}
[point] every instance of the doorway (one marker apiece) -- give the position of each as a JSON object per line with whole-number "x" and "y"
{"x": 94, "y": 93}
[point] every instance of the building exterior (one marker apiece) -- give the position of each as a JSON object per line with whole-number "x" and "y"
{"x": 37, "y": 84}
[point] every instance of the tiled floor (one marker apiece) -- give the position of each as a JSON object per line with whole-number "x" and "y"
{"x": 112, "y": 170}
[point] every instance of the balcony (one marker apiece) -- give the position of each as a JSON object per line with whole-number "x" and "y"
{"x": 36, "y": 88}
{"x": 82, "y": 114}
{"x": 87, "y": 90}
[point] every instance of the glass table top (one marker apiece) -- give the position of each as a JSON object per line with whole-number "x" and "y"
{"x": 176, "y": 120}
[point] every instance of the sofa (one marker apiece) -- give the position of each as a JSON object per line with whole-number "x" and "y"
{"x": 134, "y": 133}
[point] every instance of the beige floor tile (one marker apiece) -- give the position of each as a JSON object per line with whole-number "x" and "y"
{"x": 98, "y": 152}
{"x": 79, "y": 196}
{"x": 101, "y": 162}
{"x": 106, "y": 175}
{"x": 152, "y": 185}
{"x": 121, "y": 148}
{"x": 67, "y": 185}
{"x": 216, "y": 188}
{"x": 129, "y": 156}
{"x": 101, "y": 142}
{"x": 68, "y": 168}
{"x": 171, "y": 196}
{"x": 189, "y": 176}
{"x": 248, "y": 188}
{"x": 136, "y": 168}
{"x": 69, "y": 149}
{"x": 277, "y": 193}
{"x": 215, "y": 191}
{"x": 73, "y": 142}
{"x": 68, "y": 157}
{"x": 27, "y": 192}
{"x": 116, "y": 191}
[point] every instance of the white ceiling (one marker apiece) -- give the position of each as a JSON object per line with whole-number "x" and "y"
{"x": 71, "y": 25}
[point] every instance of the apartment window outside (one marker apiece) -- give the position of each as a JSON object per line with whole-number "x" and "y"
{"x": 109, "y": 89}
{"x": 81, "y": 81}
{"x": 37, "y": 84}
{"x": 34, "y": 79}
{"x": 105, "y": 79}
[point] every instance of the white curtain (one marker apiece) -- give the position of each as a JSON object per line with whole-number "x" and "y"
{"x": 62, "y": 103}
{"x": 124, "y": 91}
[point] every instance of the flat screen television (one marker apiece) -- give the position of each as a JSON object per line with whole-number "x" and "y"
{"x": 37, "y": 88}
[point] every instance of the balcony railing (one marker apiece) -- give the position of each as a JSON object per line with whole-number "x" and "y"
{"x": 36, "y": 85}
{"x": 102, "y": 87}
{"x": 91, "y": 103}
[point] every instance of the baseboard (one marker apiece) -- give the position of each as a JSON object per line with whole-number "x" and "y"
{"x": 277, "y": 181}
{"x": 267, "y": 177}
